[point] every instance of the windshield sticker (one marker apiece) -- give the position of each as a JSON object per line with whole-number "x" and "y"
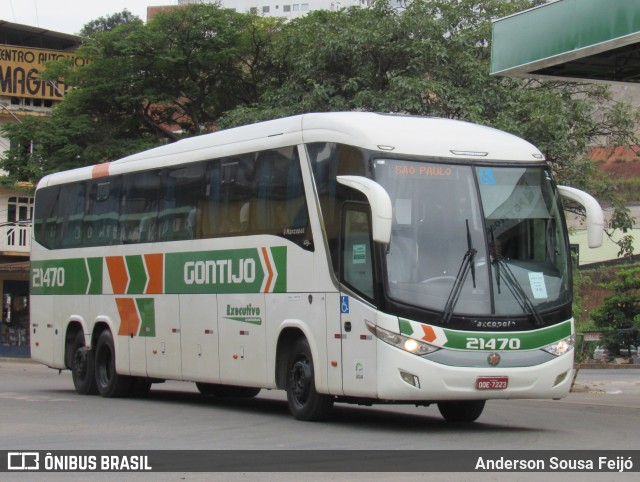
{"x": 486, "y": 177}
{"x": 359, "y": 253}
{"x": 539, "y": 289}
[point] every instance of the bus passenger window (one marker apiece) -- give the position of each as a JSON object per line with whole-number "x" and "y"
{"x": 183, "y": 189}
{"x": 228, "y": 193}
{"x": 139, "y": 209}
{"x": 45, "y": 219}
{"x": 279, "y": 206}
{"x": 101, "y": 222}
{"x": 72, "y": 215}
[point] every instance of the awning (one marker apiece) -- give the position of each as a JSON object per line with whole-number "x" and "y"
{"x": 582, "y": 39}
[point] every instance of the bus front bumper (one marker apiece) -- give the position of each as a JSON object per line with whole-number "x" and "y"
{"x": 405, "y": 376}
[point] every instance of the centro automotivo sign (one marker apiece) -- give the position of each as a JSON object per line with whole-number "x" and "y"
{"x": 20, "y": 72}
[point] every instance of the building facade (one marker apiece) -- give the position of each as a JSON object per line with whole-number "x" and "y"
{"x": 23, "y": 51}
{"x": 289, "y": 9}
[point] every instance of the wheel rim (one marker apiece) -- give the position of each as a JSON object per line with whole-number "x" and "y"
{"x": 300, "y": 380}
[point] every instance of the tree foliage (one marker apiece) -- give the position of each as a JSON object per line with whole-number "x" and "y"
{"x": 106, "y": 24}
{"x": 619, "y": 316}
{"x": 198, "y": 68}
{"x": 145, "y": 85}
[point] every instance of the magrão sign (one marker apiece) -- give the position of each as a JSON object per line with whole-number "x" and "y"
{"x": 20, "y": 72}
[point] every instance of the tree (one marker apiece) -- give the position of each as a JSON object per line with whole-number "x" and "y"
{"x": 145, "y": 85}
{"x": 107, "y": 24}
{"x": 433, "y": 59}
{"x": 619, "y": 316}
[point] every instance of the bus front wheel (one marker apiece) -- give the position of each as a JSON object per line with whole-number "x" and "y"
{"x": 465, "y": 411}
{"x": 83, "y": 367}
{"x": 305, "y": 403}
{"x": 110, "y": 384}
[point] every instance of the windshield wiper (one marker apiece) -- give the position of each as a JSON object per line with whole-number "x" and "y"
{"x": 466, "y": 266}
{"x": 512, "y": 283}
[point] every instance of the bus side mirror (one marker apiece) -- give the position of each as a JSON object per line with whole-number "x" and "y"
{"x": 595, "y": 216}
{"x": 380, "y": 202}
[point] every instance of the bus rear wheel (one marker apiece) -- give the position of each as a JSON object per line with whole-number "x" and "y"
{"x": 465, "y": 411}
{"x": 110, "y": 383}
{"x": 305, "y": 403}
{"x": 83, "y": 367}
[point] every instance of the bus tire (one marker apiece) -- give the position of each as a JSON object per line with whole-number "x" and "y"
{"x": 83, "y": 367}
{"x": 110, "y": 383}
{"x": 305, "y": 403}
{"x": 465, "y": 411}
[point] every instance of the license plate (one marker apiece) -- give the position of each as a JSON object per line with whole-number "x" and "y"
{"x": 492, "y": 383}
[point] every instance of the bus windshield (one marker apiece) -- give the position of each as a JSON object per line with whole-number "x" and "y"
{"x": 497, "y": 232}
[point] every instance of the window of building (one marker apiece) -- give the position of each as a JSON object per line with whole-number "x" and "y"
{"x": 265, "y": 9}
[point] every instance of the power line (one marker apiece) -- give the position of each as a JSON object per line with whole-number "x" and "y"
{"x": 35, "y": 4}
{"x": 12, "y": 11}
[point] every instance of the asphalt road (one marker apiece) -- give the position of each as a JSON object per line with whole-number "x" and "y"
{"x": 41, "y": 411}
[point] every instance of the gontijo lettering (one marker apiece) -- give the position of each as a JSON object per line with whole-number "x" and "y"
{"x": 220, "y": 271}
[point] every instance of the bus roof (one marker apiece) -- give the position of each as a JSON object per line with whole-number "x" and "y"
{"x": 409, "y": 135}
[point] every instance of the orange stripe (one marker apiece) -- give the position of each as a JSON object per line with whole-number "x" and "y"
{"x": 100, "y": 170}
{"x": 118, "y": 274}
{"x": 129, "y": 320}
{"x": 154, "y": 264}
{"x": 269, "y": 269}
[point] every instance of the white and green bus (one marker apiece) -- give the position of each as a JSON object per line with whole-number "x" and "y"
{"x": 342, "y": 257}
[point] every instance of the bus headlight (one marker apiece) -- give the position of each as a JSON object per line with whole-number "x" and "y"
{"x": 400, "y": 341}
{"x": 561, "y": 347}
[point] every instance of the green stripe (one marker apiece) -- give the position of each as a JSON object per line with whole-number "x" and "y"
{"x": 147, "y": 316}
{"x": 405, "y": 327}
{"x": 59, "y": 277}
{"x": 137, "y": 275}
{"x": 529, "y": 340}
{"x": 95, "y": 270}
{"x": 279, "y": 255}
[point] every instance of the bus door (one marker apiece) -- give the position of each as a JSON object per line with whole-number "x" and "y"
{"x": 356, "y": 269}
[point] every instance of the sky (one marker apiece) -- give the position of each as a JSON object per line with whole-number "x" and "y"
{"x": 69, "y": 16}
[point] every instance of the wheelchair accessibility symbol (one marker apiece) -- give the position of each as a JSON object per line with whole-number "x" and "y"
{"x": 344, "y": 304}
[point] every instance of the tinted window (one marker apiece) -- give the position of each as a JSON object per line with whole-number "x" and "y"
{"x": 253, "y": 193}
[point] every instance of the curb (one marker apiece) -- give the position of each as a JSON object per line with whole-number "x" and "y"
{"x": 606, "y": 366}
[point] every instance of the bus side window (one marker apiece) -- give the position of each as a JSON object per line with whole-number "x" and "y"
{"x": 101, "y": 222}
{"x": 183, "y": 189}
{"x": 229, "y": 184}
{"x": 357, "y": 260}
{"x": 45, "y": 220}
{"x": 72, "y": 215}
{"x": 139, "y": 209}
{"x": 279, "y": 206}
